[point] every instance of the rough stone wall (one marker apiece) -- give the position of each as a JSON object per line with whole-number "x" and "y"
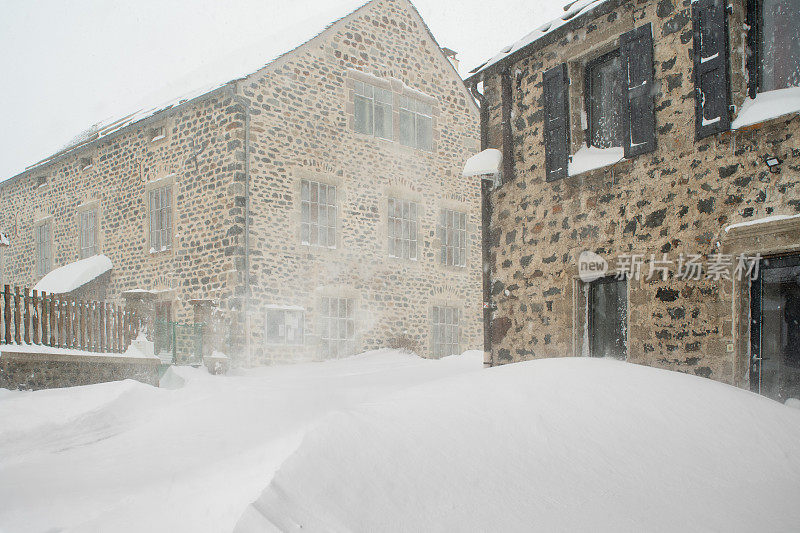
{"x": 302, "y": 128}
{"x": 25, "y": 371}
{"x": 198, "y": 159}
{"x": 675, "y": 200}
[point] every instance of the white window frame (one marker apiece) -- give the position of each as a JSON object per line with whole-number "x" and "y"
{"x": 420, "y": 115}
{"x": 278, "y": 316}
{"x": 317, "y": 207}
{"x": 337, "y": 326}
{"x": 402, "y": 229}
{"x": 445, "y": 330}
{"x": 88, "y": 230}
{"x": 159, "y": 200}
{"x": 452, "y": 230}
{"x": 44, "y": 247}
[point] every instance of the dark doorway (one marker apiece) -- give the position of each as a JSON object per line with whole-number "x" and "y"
{"x": 608, "y": 318}
{"x": 775, "y": 329}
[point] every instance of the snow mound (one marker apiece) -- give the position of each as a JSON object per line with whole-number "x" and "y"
{"x": 74, "y": 275}
{"x": 572, "y": 444}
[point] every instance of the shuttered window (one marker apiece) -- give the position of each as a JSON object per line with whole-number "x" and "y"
{"x": 710, "y": 67}
{"x": 556, "y": 131}
{"x": 638, "y": 119}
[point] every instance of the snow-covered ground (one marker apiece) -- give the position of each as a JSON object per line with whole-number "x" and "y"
{"x": 388, "y": 441}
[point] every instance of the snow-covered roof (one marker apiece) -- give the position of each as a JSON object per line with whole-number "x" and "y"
{"x": 485, "y": 162}
{"x": 768, "y": 105}
{"x": 74, "y": 275}
{"x": 217, "y": 74}
{"x": 573, "y": 9}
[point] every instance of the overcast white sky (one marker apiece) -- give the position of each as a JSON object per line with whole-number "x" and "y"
{"x": 69, "y": 64}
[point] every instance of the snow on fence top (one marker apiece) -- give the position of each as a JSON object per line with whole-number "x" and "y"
{"x": 486, "y": 162}
{"x": 573, "y": 9}
{"x": 768, "y": 105}
{"x": 74, "y": 275}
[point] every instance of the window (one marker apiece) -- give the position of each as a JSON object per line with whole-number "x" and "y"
{"x": 445, "y": 333}
{"x": 604, "y": 101}
{"x": 416, "y": 123}
{"x": 779, "y": 45}
{"x": 88, "y": 233}
{"x": 157, "y": 133}
{"x": 86, "y": 163}
{"x": 402, "y": 229}
{"x": 337, "y": 327}
{"x": 160, "y": 219}
{"x": 41, "y": 181}
{"x": 373, "y": 110}
{"x": 318, "y": 206}
{"x": 608, "y": 318}
{"x": 453, "y": 237}
{"x": 284, "y": 326}
{"x": 44, "y": 255}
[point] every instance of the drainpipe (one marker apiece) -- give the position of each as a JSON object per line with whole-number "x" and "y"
{"x": 246, "y": 109}
{"x": 486, "y": 218}
{"x": 508, "y": 149}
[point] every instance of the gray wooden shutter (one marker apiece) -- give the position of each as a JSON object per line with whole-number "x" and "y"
{"x": 711, "y": 98}
{"x": 638, "y": 117}
{"x": 556, "y": 125}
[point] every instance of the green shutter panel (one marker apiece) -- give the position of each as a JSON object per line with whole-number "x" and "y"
{"x": 638, "y": 117}
{"x": 711, "y": 100}
{"x": 556, "y": 122}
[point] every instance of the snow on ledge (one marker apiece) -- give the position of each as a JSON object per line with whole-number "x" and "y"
{"x": 74, "y": 275}
{"x": 130, "y": 353}
{"x": 482, "y": 163}
{"x": 756, "y": 221}
{"x": 589, "y": 158}
{"x": 768, "y": 105}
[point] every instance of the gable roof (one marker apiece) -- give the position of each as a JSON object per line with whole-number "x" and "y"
{"x": 575, "y": 14}
{"x": 282, "y": 45}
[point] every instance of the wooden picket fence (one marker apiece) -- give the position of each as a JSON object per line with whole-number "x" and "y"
{"x": 33, "y": 317}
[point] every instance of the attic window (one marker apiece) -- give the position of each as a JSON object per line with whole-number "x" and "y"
{"x": 157, "y": 133}
{"x": 41, "y": 181}
{"x": 86, "y": 163}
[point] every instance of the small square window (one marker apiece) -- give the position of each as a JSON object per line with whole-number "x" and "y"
{"x": 86, "y": 163}
{"x": 284, "y": 326}
{"x": 41, "y": 181}
{"x": 157, "y": 133}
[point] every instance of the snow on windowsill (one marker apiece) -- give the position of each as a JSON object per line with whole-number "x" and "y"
{"x": 590, "y": 158}
{"x": 765, "y": 220}
{"x": 766, "y": 106}
{"x": 158, "y": 138}
{"x": 483, "y": 163}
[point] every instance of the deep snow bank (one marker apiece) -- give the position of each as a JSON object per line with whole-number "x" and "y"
{"x": 560, "y": 444}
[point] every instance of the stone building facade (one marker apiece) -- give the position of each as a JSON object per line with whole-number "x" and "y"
{"x": 696, "y": 179}
{"x": 297, "y": 214}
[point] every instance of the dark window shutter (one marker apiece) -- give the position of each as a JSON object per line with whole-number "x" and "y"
{"x": 752, "y": 49}
{"x": 710, "y": 68}
{"x": 638, "y": 117}
{"x": 556, "y": 125}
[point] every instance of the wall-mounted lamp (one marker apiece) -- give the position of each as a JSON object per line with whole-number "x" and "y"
{"x": 773, "y": 163}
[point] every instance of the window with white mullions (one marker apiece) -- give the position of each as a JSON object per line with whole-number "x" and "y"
{"x": 44, "y": 255}
{"x": 284, "y": 326}
{"x": 779, "y": 44}
{"x": 604, "y": 104}
{"x": 337, "y": 327}
{"x": 373, "y": 110}
{"x": 160, "y": 219}
{"x": 453, "y": 236}
{"x": 402, "y": 229}
{"x": 318, "y": 214}
{"x": 416, "y": 123}
{"x": 445, "y": 331}
{"x": 88, "y": 233}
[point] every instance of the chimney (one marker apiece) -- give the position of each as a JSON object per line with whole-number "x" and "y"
{"x": 451, "y": 56}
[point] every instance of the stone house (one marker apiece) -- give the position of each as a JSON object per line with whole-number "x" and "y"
{"x": 656, "y": 135}
{"x": 311, "y": 209}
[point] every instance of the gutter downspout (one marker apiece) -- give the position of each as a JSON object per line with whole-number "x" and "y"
{"x": 486, "y": 219}
{"x": 246, "y": 109}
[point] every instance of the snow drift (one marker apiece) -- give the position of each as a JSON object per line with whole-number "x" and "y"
{"x": 571, "y": 444}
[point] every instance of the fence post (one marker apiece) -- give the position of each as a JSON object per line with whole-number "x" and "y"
{"x": 17, "y": 336}
{"x": 35, "y": 317}
{"x": 109, "y": 338}
{"x": 120, "y": 340}
{"x": 43, "y": 317}
{"x": 53, "y": 322}
{"x": 7, "y": 313}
